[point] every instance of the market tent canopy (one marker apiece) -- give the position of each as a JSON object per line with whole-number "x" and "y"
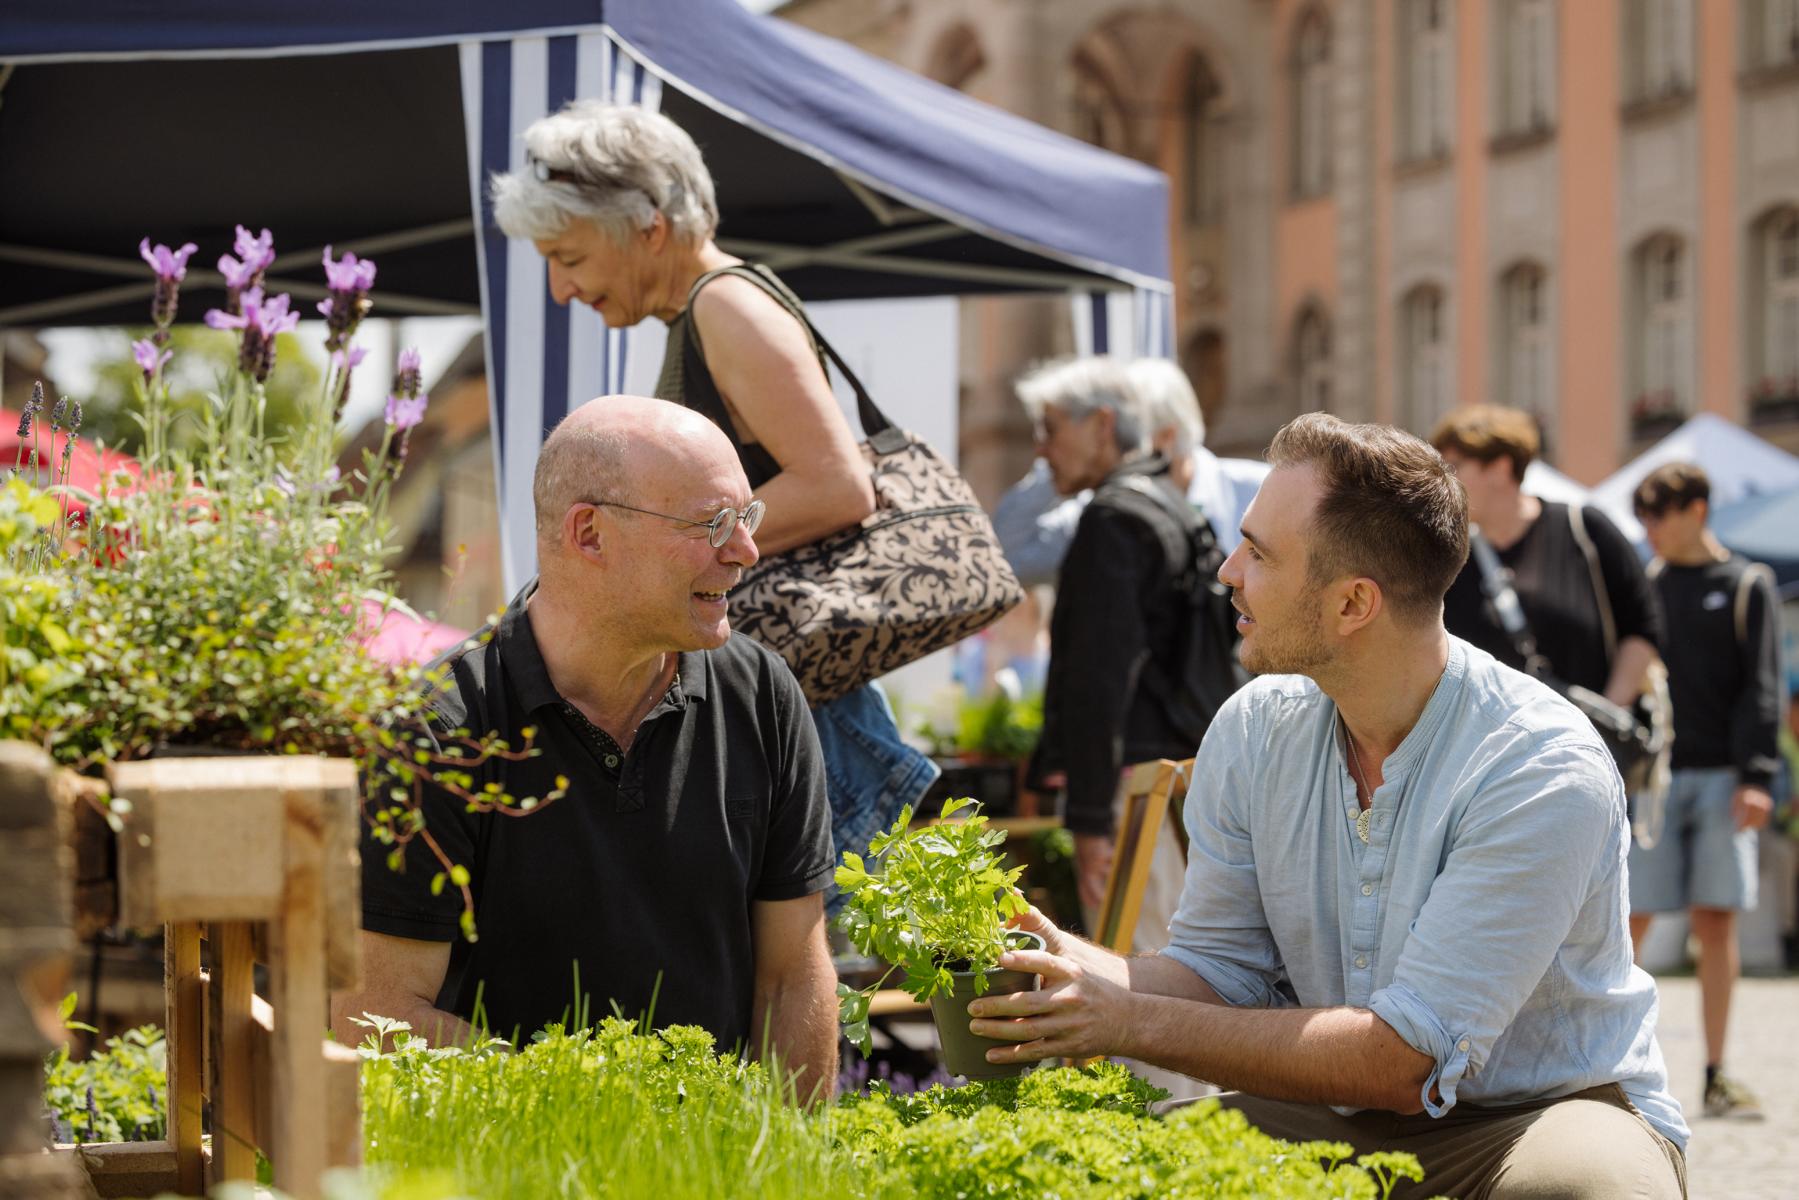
{"x": 1764, "y": 528}
{"x": 373, "y": 127}
{"x": 1739, "y": 463}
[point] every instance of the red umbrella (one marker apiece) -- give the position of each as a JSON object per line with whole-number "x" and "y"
{"x": 87, "y": 466}
{"x": 402, "y": 637}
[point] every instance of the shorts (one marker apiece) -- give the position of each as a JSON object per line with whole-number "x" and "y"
{"x": 1702, "y": 859}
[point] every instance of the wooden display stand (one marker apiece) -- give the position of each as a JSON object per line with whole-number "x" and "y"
{"x": 35, "y": 943}
{"x": 256, "y": 858}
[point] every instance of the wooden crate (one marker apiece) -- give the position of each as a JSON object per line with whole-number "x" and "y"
{"x": 256, "y": 860}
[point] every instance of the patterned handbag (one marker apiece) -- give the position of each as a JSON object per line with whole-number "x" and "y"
{"x": 922, "y": 571}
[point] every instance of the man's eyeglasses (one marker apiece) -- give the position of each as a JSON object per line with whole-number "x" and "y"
{"x": 718, "y": 530}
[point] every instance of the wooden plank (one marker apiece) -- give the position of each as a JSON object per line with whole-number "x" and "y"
{"x": 892, "y": 1002}
{"x": 231, "y": 1090}
{"x": 262, "y": 1075}
{"x": 297, "y": 1140}
{"x": 40, "y": 1176}
{"x": 343, "y": 1105}
{"x": 96, "y": 871}
{"x": 185, "y": 1030}
{"x": 340, "y": 792}
{"x": 126, "y": 1168}
{"x": 220, "y": 821}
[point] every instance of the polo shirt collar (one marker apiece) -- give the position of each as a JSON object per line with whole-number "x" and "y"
{"x": 517, "y": 644}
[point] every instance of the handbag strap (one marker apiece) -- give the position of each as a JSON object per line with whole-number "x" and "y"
{"x": 1502, "y": 600}
{"x": 880, "y": 432}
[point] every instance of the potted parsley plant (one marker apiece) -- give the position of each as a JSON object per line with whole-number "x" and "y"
{"x": 933, "y": 901}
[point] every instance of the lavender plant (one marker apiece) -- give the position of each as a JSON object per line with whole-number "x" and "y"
{"x": 218, "y": 597}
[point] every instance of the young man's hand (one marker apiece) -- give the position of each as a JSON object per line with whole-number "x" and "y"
{"x": 1751, "y": 806}
{"x": 1078, "y": 1012}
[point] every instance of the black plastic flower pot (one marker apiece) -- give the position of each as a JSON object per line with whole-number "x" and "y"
{"x": 965, "y": 1052}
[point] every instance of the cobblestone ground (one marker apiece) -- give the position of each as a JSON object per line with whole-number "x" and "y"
{"x": 1739, "y": 1160}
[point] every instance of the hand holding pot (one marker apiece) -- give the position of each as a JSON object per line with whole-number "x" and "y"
{"x": 1076, "y": 1014}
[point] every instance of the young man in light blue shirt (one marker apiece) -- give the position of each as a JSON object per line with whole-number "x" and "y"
{"x": 1404, "y": 924}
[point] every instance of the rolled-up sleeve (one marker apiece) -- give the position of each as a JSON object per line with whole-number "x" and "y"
{"x": 1220, "y": 931}
{"x": 1503, "y": 905}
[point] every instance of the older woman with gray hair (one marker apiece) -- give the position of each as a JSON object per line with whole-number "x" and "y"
{"x": 620, "y": 204}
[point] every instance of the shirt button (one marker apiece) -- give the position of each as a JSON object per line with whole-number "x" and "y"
{"x": 1361, "y": 960}
{"x": 612, "y": 760}
{"x": 1462, "y": 1045}
{"x": 1367, "y": 889}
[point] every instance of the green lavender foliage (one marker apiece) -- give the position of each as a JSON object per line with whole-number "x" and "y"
{"x": 117, "y": 1094}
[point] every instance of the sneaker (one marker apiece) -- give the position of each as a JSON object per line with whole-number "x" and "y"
{"x": 1725, "y": 1097}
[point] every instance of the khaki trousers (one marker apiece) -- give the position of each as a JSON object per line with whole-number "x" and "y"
{"x": 1593, "y": 1145}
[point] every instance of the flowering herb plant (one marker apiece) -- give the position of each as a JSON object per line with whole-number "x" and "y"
{"x": 933, "y": 900}
{"x": 220, "y": 596}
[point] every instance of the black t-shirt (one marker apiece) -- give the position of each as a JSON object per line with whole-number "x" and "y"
{"x": 1555, "y": 588}
{"x": 642, "y": 878}
{"x": 1725, "y": 688}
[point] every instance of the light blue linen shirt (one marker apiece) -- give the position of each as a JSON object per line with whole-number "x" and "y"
{"x": 1485, "y": 919}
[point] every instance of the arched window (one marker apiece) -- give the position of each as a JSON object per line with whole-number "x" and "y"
{"x": 1659, "y": 48}
{"x": 956, "y": 58}
{"x": 1661, "y": 378}
{"x": 1099, "y": 112}
{"x": 1205, "y": 363}
{"x": 1311, "y": 106}
{"x": 1524, "y": 342}
{"x": 1770, "y": 33}
{"x": 1774, "y": 307}
{"x": 1424, "y": 338}
{"x": 1426, "y": 97}
{"x": 1199, "y": 174}
{"x": 1527, "y": 66}
{"x": 1312, "y": 360}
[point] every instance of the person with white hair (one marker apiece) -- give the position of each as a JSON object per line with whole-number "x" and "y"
{"x": 620, "y": 204}
{"x": 1035, "y": 524}
{"x": 1124, "y": 638}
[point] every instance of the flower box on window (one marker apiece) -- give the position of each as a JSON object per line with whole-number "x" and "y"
{"x": 1773, "y": 400}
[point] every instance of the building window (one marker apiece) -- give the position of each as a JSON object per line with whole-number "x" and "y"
{"x": 1426, "y": 103}
{"x": 1206, "y": 365}
{"x": 1199, "y": 176}
{"x": 1524, "y": 354}
{"x": 1424, "y": 337}
{"x": 957, "y": 58}
{"x": 1771, "y": 33}
{"x": 1526, "y": 67}
{"x": 1312, "y": 360}
{"x": 1659, "y": 45}
{"x": 1775, "y": 305}
{"x": 1311, "y": 106}
{"x": 1099, "y": 113}
{"x": 1661, "y": 383}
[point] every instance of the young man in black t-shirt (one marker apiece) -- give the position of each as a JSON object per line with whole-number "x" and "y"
{"x": 681, "y": 875}
{"x": 1566, "y": 590}
{"x": 1724, "y": 678}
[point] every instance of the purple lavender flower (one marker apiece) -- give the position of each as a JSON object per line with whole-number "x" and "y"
{"x": 348, "y": 359}
{"x": 349, "y": 279}
{"x": 33, "y": 407}
{"x": 255, "y": 248}
{"x": 261, "y": 322}
{"x": 403, "y": 412}
{"x": 170, "y": 267}
{"x": 149, "y": 357}
{"x": 407, "y": 377}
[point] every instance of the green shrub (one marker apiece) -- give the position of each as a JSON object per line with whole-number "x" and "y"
{"x": 118, "y": 1094}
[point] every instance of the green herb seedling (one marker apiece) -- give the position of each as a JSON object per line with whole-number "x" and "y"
{"x": 930, "y": 901}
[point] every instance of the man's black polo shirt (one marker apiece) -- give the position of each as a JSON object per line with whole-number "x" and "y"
{"x": 643, "y": 876}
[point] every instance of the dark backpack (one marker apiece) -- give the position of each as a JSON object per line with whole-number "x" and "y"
{"x": 1194, "y": 684}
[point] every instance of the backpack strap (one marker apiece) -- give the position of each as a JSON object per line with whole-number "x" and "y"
{"x": 1745, "y": 590}
{"x": 1577, "y": 522}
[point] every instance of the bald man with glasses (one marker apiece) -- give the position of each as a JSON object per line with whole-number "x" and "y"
{"x": 681, "y": 876}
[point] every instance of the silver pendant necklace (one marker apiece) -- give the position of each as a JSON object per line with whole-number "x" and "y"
{"x": 1361, "y": 782}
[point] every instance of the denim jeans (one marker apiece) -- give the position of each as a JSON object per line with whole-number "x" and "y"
{"x": 870, "y": 773}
